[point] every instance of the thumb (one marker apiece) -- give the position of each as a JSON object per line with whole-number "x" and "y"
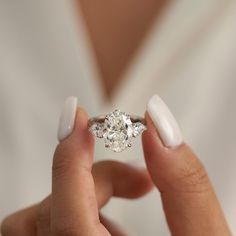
{"x": 189, "y": 201}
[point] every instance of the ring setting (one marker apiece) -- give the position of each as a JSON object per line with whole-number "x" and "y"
{"x": 117, "y": 129}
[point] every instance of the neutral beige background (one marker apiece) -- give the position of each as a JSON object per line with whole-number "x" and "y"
{"x": 190, "y": 60}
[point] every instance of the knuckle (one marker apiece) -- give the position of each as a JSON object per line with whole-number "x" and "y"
{"x": 194, "y": 178}
{"x": 64, "y": 162}
{"x": 63, "y": 226}
{"x": 61, "y": 162}
{"x": 43, "y": 220}
{"x": 65, "y": 229}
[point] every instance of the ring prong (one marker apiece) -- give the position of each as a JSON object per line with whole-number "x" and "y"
{"x": 130, "y": 145}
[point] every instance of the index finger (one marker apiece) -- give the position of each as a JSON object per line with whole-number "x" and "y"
{"x": 74, "y": 206}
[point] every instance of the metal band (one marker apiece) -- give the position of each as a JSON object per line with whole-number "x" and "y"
{"x": 101, "y": 119}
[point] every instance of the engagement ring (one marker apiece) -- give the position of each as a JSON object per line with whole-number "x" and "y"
{"x": 117, "y": 129}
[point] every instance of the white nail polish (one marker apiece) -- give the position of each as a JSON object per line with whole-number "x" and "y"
{"x": 165, "y": 122}
{"x": 67, "y": 118}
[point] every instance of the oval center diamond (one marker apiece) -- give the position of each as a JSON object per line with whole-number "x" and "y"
{"x": 118, "y": 131}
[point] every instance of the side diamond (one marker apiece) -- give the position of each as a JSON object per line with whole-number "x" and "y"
{"x": 138, "y": 128}
{"x": 97, "y": 129}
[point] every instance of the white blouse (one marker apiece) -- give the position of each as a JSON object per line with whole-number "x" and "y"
{"x": 189, "y": 59}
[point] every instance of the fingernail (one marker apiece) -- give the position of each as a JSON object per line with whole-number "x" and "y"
{"x": 67, "y": 118}
{"x": 165, "y": 122}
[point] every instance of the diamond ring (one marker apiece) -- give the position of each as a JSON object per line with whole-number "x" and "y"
{"x": 117, "y": 129}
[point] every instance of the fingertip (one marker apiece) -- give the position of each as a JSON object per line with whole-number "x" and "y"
{"x": 154, "y": 147}
{"x": 165, "y": 122}
{"x": 73, "y": 119}
{"x": 80, "y": 133}
{"x": 166, "y": 165}
{"x": 81, "y": 119}
{"x": 78, "y": 147}
{"x": 67, "y": 118}
{"x": 177, "y": 169}
{"x": 140, "y": 181}
{"x": 151, "y": 135}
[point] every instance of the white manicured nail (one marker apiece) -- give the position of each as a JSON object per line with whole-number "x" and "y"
{"x": 67, "y": 118}
{"x": 165, "y": 122}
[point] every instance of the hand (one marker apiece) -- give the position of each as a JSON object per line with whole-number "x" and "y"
{"x": 80, "y": 190}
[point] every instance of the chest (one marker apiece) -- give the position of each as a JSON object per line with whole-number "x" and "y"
{"x": 116, "y": 30}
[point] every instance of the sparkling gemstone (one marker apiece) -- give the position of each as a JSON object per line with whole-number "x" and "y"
{"x": 138, "y": 128}
{"x": 97, "y": 129}
{"x": 118, "y": 131}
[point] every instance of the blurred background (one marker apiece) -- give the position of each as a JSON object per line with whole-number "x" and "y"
{"x": 116, "y": 55}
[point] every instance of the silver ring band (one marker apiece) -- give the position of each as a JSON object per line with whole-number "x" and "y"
{"x": 101, "y": 119}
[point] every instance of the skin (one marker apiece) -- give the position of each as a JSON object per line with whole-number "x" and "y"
{"x": 117, "y": 29}
{"x": 80, "y": 189}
